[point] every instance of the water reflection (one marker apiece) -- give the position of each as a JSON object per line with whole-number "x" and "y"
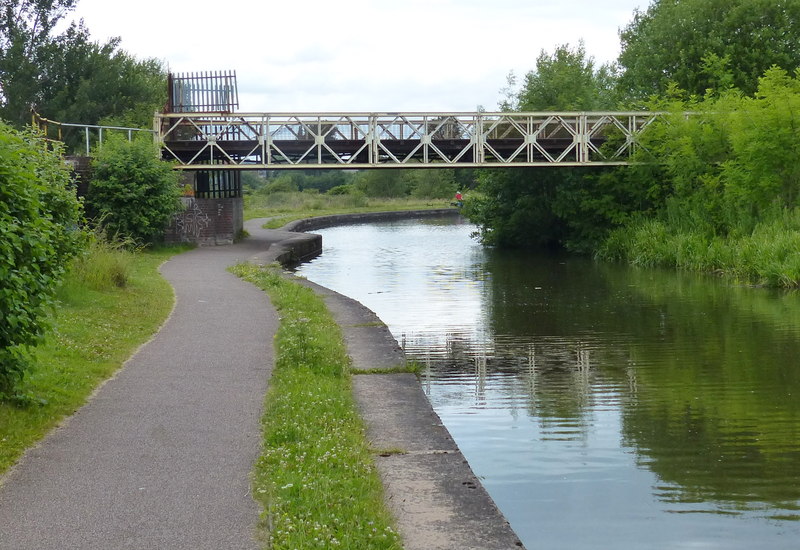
{"x": 603, "y": 406}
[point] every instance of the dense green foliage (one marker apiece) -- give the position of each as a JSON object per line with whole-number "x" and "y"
{"x": 431, "y": 184}
{"x": 731, "y": 181}
{"x": 383, "y": 183}
{"x": 133, "y": 194}
{"x": 394, "y": 183}
{"x": 570, "y": 208}
{"x": 26, "y": 48}
{"x": 554, "y": 207}
{"x": 296, "y": 180}
{"x": 316, "y": 477}
{"x": 714, "y": 191}
{"x": 682, "y": 41}
{"x": 565, "y": 80}
{"x": 105, "y": 85}
{"x": 66, "y": 76}
{"x": 39, "y": 232}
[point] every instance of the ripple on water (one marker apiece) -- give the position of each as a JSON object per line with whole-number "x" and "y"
{"x": 603, "y": 407}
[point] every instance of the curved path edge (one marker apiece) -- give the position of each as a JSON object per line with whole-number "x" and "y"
{"x": 436, "y": 498}
{"x": 160, "y": 457}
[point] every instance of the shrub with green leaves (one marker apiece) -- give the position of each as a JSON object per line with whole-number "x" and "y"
{"x": 133, "y": 193}
{"x": 730, "y": 179}
{"x": 39, "y": 216}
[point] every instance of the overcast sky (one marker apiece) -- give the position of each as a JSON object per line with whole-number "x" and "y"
{"x": 359, "y": 55}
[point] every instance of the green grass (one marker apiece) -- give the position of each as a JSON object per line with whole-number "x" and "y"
{"x": 96, "y": 326}
{"x": 286, "y": 207}
{"x": 408, "y": 368}
{"x": 769, "y": 255}
{"x": 316, "y": 478}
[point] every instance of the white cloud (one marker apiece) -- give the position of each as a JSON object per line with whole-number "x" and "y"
{"x": 359, "y": 55}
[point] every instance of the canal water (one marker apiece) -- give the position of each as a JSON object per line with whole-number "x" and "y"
{"x": 602, "y": 406}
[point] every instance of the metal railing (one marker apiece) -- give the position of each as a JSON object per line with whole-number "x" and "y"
{"x": 85, "y": 134}
{"x": 203, "y": 92}
{"x": 217, "y": 141}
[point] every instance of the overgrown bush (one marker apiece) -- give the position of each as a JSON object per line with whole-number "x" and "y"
{"x": 549, "y": 208}
{"x": 731, "y": 181}
{"x": 133, "y": 194}
{"x": 433, "y": 184}
{"x": 346, "y": 189}
{"x": 282, "y": 184}
{"x": 390, "y": 183}
{"x": 285, "y": 181}
{"x": 39, "y": 216}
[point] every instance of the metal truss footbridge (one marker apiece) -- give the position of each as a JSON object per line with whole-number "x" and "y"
{"x": 210, "y": 141}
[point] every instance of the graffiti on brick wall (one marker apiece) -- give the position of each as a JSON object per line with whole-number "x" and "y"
{"x": 190, "y": 223}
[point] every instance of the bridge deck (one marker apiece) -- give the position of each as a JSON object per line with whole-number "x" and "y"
{"x": 219, "y": 141}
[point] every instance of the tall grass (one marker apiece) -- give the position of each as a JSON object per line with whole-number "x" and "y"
{"x": 316, "y": 479}
{"x": 104, "y": 264}
{"x": 767, "y": 255}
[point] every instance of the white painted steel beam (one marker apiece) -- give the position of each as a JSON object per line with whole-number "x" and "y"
{"x": 219, "y": 141}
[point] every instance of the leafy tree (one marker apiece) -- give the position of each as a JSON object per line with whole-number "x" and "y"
{"x": 433, "y": 184}
{"x": 383, "y": 183}
{"x": 133, "y": 194}
{"x": 323, "y": 180}
{"x": 567, "y": 80}
{"x": 674, "y": 40}
{"x": 302, "y": 180}
{"x": 554, "y": 207}
{"x": 346, "y": 189}
{"x": 513, "y": 208}
{"x": 284, "y": 183}
{"x": 252, "y": 181}
{"x": 68, "y": 77}
{"x": 724, "y": 176}
{"x": 466, "y": 178}
{"x": 763, "y": 168}
{"x": 39, "y": 215}
{"x": 101, "y": 84}
{"x": 26, "y": 52}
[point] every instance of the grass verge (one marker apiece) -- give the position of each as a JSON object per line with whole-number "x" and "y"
{"x": 283, "y": 208}
{"x": 316, "y": 478}
{"x": 409, "y": 368}
{"x": 769, "y": 255}
{"x": 93, "y": 332}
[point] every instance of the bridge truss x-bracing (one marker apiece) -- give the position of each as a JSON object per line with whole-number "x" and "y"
{"x": 218, "y": 141}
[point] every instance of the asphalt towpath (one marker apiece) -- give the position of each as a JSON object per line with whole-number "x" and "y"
{"x": 160, "y": 457}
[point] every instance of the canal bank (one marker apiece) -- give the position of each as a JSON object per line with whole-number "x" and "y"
{"x": 602, "y": 406}
{"x": 438, "y": 501}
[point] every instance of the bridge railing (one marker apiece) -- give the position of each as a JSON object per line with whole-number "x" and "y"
{"x": 204, "y": 141}
{"x": 81, "y": 137}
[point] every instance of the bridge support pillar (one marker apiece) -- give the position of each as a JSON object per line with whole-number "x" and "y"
{"x": 208, "y": 217}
